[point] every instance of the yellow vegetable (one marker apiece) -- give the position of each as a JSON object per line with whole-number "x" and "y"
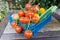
{"x": 42, "y": 10}
{"x": 15, "y": 17}
{"x": 36, "y": 15}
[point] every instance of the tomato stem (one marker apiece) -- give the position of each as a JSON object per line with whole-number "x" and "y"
{"x": 30, "y": 1}
{"x": 16, "y": 21}
{"x": 24, "y": 26}
{"x": 29, "y": 30}
{"x": 21, "y": 6}
{"x": 33, "y": 1}
{"x": 29, "y": 23}
{"x": 38, "y": 4}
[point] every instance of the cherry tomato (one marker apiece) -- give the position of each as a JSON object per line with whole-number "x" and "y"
{"x": 28, "y": 34}
{"x": 27, "y": 6}
{"x": 37, "y": 15}
{"x": 29, "y": 14}
{"x": 24, "y": 20}
{"x": 21, "y": 13}
{"x": 15, "y": 16}
{"x": 34, "y": 8}
{"x": 25, "y": 11}
{"x": 13, "y": 24}
{"x": 35, "y": 19}
{"x": 18, "y": 29}
{"x": 21, "y": 19}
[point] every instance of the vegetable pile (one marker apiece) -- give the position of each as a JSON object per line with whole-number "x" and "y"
{"x": 28, "y": 15}
{"x": 3, "y": 10}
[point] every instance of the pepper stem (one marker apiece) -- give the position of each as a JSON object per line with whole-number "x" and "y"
{"x": 16, "y": 21}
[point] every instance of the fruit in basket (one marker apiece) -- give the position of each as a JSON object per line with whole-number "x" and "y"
{"x": 37, "y": 15}
{"x": 35, "y": 18}
{"x": 15, "y": 16}
{"x": 25, "y": 11}
{"x": 21, "y": 19}
{"x": 24, "y": 20}
{"x": 27, "y": 6}
{"x": 13, "y": 24}
{"x": 18, "y": 29}
{"x": 34, "y": 8}
{"x": 28, "y": 34}
{"x": 29, "y": 14}
{"x": 21, "y": 13}
{"x": 42, "y": 10}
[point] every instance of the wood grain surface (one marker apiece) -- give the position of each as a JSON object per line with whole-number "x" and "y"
{"x": 3, "y": 24}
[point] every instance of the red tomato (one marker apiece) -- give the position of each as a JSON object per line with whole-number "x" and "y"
{"x": 28, "y": 34}
{"x": 21, "y": 13}
{"x": 24, "y": 20}
{"x": 27, "y": 6}
{"x": 13, "y": 24}
{"x": 21, "y": 19}
{"x": 29, "y": 14}
{"x": 35, "y": 19}
{"x": 34, "y": 8}
{"x": 18, "y": 29}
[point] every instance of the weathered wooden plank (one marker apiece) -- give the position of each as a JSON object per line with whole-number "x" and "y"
{"x": 3, "y": 24}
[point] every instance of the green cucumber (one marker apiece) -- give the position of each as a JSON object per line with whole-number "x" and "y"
{"x": 49, "y": 13}
{"x": 46, "y": 11}
{"x": 54, "y": 8}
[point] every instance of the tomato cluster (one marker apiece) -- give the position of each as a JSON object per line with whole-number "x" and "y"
{"x": 25, "y": 16}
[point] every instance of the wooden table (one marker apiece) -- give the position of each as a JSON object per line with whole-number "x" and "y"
{"x": 3, "y": 24}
